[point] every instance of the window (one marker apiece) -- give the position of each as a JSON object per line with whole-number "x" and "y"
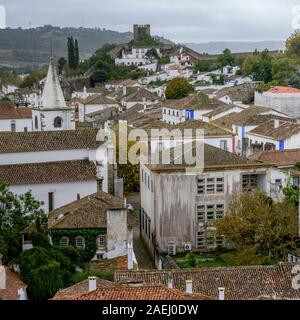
{"x": 201, "y": 186}
{"x": 58, "y": 122}
{"x": 223, "y": 145}
{"x": 13, "y": 126}
{"x": 201, "y": 213}
{"x": 64, "y": 241}
{"x": 79, "y": 242}
{"x": 101, "y": 242}
{"x": 220, "y": 211}
{"x": 250, "y": 182}
{"x": 201, "y": 239}
{"x": 36, "y": 123}
{"x": 209, "y": 213}
{"x": 210, "y": 185}
{"x": 25, "y": 129}
{"x": 50, "y": 201}
{"x": 220, "y": 185}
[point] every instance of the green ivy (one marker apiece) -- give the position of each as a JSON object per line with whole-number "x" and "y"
{"x": 90, "y": 237}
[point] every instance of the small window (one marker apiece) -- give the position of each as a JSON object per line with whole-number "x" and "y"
{"x": 58, "y": 122}
{"x": 13, "y": 126}
{"x": 25, "y": 129}
{"x": 50, "y": 201}
{"x": 201, "y": 213}
{"x": 36, "y": 123}
{"x": 79, "y": 242}
{"x": 64, "y": 241}
{"x": 201, "y": 186}
{"x": 101, "y": 242}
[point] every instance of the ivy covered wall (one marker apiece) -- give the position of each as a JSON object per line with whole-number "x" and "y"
{"x": 90, "y": 237}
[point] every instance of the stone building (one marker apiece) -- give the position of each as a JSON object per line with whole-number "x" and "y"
{"x": 140, "y": 31}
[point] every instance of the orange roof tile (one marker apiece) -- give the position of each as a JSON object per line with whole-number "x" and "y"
{"x": 280, "y": 89}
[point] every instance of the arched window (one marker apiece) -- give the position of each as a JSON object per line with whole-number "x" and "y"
{"x": 58, "y": 122}
{"x": 36, "y": 123}
{"x": 64, "y": 241}
{"x": 79, "y": 242}
{"x": 101, "y": 243}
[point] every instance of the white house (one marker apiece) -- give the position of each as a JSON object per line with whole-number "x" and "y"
{"x": 95, "y": 103}
{"x": 222, "y": 111}
{"x": 58, "y": 166}
{"x": 136, "y": 56}
{"x": 15, "y": 119}
{"x": 53, "y": 114}
{"x": 193, "y": 107}
{"x": 180, "y": 220}
{"x": 9, "y": 88}
{"x": 142, "y": 96}
{"x": 283, "y": 99}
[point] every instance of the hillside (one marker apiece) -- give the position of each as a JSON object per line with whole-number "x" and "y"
{"x": 31, "y": 47}
{"x": 236, "y": 46}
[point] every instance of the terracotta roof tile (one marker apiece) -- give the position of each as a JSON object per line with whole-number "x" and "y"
{"x": 286, "y": 158}
{"x": 9, "y": 111}
{"x": 48, "y": 172}
{"x": 88, "y": 212}
{"x": 13, "y": 283}
{"x": 48, "y": 140}
{"x": 280, "y": 89}
{"x": 240, "y": 283}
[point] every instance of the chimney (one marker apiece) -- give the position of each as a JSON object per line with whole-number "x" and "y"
{"x": 221, "y": 293}
{"x": 22, "y": 294}
{"x": 2, "y": 277}
{"x": 189, "y": 286}
{"x": 276, "y": 123}
{"x": 170, "y": 281}
{"x": 92, "y": 284}
{"x": 124, "y": 90}
{"x": 130, "y": 256}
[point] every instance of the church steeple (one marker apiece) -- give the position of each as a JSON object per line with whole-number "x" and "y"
{"x": 53, "y": 97}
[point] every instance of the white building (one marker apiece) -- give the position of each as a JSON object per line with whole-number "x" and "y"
{"x": 283, "y": 99}
{"x": 58, "y": 166}
{"x": 142, "y": 96}
{"x": 15, "y": 119}
{"x": 137, "y": 56}
{"x": 180, "y": 220}
{"x": 9, "y": 88}
{"x": 53, "y": 114}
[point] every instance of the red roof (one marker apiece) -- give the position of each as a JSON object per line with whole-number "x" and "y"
{"x": 9, "y": 111}
{"x": 280, "y": 89}
{"x": 140, "y": 293}
{"x": 286, "y": 158}
{"x": 13, "y": 283}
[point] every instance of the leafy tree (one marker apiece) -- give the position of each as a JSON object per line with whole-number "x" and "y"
{"x": 226, "y": 58}
{"x": 202, "y": 66}
{"x": 262, "y": 68}
{"x": 248, "y": 64}
{"x": 191, "y": 259}
{"x": 294, "y": 81}
{"x": 152, "y": 54}
{"x": 292, "y": 195}
{"x": 45, "y": 271}
{"x": 293, "y": 44}
{"x": 253, "y": 220}
{"x": 33, "y": 79}
{"x": 283, "y": 69}
{"x": 16, "y": 213}
{"x": 178, "y": 88}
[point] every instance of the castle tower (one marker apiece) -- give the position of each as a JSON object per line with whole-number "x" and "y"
{"x": 53, "y": 115}
{"x": 141, "y": 31}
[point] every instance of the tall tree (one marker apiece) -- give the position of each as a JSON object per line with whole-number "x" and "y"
{"x": 71, "y": 53}
{"x": 226, "y": 58}
{"x": 61, "y": 64}
{"x": 77, "y": 58}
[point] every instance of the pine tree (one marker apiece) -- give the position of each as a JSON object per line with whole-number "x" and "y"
{"x": 71, "y": 53}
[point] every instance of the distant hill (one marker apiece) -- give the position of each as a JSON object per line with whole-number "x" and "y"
{"x": 236, "y": 46}
{"x": 31, "y": 47}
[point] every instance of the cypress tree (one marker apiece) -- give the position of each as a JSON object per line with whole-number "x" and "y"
{"x": 76, "y": 47}
{"x": 71, "y": 53}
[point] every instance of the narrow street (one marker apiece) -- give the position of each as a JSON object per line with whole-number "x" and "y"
{"x": 141, "y": 253}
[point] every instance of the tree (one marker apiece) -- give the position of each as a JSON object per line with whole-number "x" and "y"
{"x": 254, "y": 220}
{"x": 45, "y": 271}
{"x": 61, "y": 64}
{"x": 226, "y": 58}
{"x": 262, "y": 68}
{"x": 73, "y": 53}
{"x": 202, "y": 66}
{"x": 16, "y": 213}
{"x": 178, "y": 88}
{"x": 283, "y": 69}
{"x": 76, "y": 54}
{"x": 293, "y": 44}
{"x": 294, "y": 81}
{"x": 152, "y": 54}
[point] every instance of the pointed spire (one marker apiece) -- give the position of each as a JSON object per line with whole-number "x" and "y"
{"x": 53, "y": 97}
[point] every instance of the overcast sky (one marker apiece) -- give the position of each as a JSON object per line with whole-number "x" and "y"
{"x": 178, "y": 20}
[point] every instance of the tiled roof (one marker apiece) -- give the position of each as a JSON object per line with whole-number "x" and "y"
{"x": 284, "y": 131}
{"x": 280, "y": 89}
{"x": 13, "y": 283}
{"x": 80, "y": 288}
{"x": 48, "y": 172}
{"x": 253, "y": 115}
{"x": 140, "y": 94}
{"x": 240, "y": 283}
{"x": 195, "y": 101}
{"x": 140, "y": 293}
{"x": 220, "y": 109}
{"x": 98, "y": 99}
{"x": 9, "y": 111}
{"x": 48, "y": 140}
{"x": 244, "y": 92}
{"x": 88, "y": 212}
{"x": 286, "y": 158}
{"x": 214, "y": 159}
